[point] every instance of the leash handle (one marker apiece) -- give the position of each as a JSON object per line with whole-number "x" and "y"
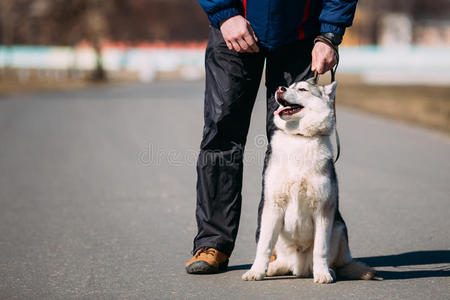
{"x": 315, "y": 77}
{"x": 333, "y": 70}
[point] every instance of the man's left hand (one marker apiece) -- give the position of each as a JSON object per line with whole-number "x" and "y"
{"x": 323, "y": 58}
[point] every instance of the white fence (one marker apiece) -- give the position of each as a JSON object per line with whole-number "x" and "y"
{"x": 411, "y": 65}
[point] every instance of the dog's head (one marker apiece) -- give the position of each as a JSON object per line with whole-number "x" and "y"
{"x": 305, "y": 108}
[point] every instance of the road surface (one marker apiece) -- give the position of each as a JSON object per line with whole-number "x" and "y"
{"x": 97, "y": 200}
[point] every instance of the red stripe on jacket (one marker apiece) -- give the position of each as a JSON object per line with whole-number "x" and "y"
{"x": 245, "y": 8}
{"x": 301, "y": 33}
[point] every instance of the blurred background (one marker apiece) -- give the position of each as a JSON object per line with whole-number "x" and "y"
{"x": 402, "y": 46}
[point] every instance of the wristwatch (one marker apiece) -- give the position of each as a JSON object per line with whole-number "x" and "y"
{"x": 335, "y": 38}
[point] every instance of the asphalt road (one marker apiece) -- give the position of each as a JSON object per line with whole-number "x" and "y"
{"x": 97, "y": 200}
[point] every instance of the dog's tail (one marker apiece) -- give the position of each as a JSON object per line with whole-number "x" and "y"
{"x": 356, "y": 270}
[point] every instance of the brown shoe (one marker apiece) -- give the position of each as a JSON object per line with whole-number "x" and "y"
{"x": 207, "y": 261}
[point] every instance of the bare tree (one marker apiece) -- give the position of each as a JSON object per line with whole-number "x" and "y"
{"x": 6, "y": 23}
{"x": 95, "y": 25}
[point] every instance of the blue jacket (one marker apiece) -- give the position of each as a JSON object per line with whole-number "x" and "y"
{"x": 279, "y": 22}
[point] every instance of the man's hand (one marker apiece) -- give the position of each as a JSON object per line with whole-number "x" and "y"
{"x": 323, "y": 58}
{"x": 239, "y": 35}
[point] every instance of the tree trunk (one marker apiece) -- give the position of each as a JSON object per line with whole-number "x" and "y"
{"x": 99, "y": 73}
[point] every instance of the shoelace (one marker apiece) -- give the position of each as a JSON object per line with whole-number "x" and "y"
{"x": 205, "y": 250}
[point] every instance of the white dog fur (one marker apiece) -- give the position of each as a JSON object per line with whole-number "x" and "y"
{"x": 300, "y": 217}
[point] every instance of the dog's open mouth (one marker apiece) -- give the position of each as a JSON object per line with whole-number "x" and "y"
{"x": 287, "y": 108}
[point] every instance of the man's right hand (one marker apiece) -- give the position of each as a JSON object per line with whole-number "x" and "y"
{"x": 239, "y": 35}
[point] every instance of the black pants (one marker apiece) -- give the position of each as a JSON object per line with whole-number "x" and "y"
{"x": 232, "y": 82}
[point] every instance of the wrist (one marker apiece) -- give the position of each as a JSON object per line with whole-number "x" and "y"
{"x": 224, "y": 20}
{"x": 219, "y": 17}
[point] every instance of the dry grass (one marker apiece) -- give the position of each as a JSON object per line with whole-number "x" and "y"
{"x": 423, "y": 105}
{"x": 9, "y": 87}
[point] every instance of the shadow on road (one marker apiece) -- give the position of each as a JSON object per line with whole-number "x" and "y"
{"x": 239, "y": 267}
{"x": 410, "y": 264}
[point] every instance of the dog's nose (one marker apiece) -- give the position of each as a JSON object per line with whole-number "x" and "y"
{"x": 279, "y": 94}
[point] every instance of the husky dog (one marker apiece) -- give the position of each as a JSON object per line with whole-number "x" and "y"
{"x": 300, "y": 216}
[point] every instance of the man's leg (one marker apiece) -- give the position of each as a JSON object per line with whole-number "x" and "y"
{"x": 285, "y": 66}
{"x": 232, "y": 82}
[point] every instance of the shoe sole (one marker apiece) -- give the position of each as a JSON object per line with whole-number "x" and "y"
{"x": 202, "y": 267}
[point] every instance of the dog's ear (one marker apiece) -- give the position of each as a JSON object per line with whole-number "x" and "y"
{"x": 330, "y": 90}
{"x": 312, "y": 80}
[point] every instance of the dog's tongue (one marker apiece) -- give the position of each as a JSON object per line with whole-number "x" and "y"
{"x": 282, "y": 108}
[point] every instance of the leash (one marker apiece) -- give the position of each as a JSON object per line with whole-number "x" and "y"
{"x": 333, "y": 70}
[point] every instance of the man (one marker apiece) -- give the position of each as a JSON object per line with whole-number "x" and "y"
{"x": 243, "y": 37}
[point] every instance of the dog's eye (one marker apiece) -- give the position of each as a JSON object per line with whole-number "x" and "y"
{"x": 302, "y": 90}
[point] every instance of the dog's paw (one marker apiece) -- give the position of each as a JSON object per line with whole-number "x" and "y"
{"x": 324, "y": 276}
{"x": 252, "y": 275}
{"x": 277, "y": 267}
